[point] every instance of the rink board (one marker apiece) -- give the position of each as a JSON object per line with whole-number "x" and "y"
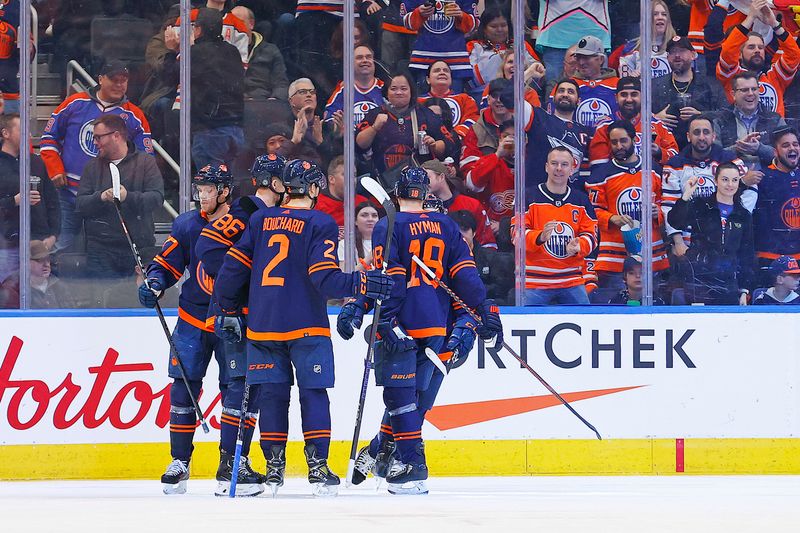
{"x": 671, "y": 392}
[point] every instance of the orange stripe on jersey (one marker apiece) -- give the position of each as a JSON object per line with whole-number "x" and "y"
{"x": 458, "y": 266}
{"x": 445, "y": 356}
{"x": 196, "y": 322}
{"x": 215, "y": 236}
{"x": 324, "y": 265}
{"x": 289, "y": 335}
{"x": 426, "y": 332}
{"x": 163, "y": 262}
{"x": 239, "y": 256}
{"x": 396, "y": 271}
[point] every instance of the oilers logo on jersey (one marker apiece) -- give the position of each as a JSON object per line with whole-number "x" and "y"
{"x": 659, "y": 66}
{"x": 591, "y": 110}
{"x": 768, "y": 96}
{"x": 86, "y": 139}
{"x": 204, "y": 281}
{"x": 629, "y": 202}
{"x": 455, "y": 109}
{"x": 438, "y": 22}
{"x": 360, "y": 110}
{"x": 790, "y": 213}
{"x": 705, "y": 186}
{"x": 556, "y": 245}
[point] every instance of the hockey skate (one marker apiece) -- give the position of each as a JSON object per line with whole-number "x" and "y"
{"x": 409, "y": 478}
{"x": 174, "y": 479}
{"x": 276, "y": 466}
{"x": 364, "y": 464}
{"x": 323, "y": 481}
{"x": 385, "y": 459}
{"x": 248, "y": 482}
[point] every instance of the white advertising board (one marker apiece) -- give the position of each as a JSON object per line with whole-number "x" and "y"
{"x": 91, "y": 379}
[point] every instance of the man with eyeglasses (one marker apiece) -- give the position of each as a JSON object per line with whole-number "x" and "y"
{"x": 141, "y": 193}
{"x": 67, "y": 141}
{"x": 308, "y": 141}
{"x": 744, "y": 50}
{"x": 747, "y": 127}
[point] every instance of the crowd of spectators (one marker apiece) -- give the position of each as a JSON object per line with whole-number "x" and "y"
{"x": 433, "y": 88}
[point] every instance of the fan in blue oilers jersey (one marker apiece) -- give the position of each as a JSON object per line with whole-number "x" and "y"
{"x": 212, "y": 245}
{"x": 416, "y": 318}
{"x": 288, "y": 256}
{"x": 194, "y": 334}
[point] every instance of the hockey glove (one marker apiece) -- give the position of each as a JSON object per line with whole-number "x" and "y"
{"x": 148, "y": 297}
{"x": 394, "y": 337}
{"x": 462, "y": 338}
{"x": 350, "y": 318}
{"x": 490, "y": 326}
{"x": 372, "y": 284}
{"x": 229, "y": 328}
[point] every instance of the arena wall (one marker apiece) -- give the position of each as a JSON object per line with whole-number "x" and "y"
{"x": 692, "y": 391}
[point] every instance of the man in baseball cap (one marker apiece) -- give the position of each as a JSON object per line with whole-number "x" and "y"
{"x": 787, "y": 278}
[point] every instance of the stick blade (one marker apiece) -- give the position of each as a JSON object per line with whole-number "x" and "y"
{"x": 115, "y": 184}
{"x": 375, "y": 189}
{"x": 430, "y": 354}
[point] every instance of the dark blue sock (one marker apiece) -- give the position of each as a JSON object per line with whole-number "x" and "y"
{"x": 273, "y": 421}
{"x": 231, "y": 416}
{"x": 316, "y": 414}
{"x": 383, "y": 435}
{"x": 401, "y": 402}
{"x": 182, "y": 419}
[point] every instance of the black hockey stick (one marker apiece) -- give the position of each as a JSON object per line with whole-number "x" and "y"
{"x": 115, "y": 180}
{"x": 374, "y": 188}
{"x": 459, "y": 301}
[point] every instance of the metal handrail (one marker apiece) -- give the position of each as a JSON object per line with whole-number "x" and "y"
{"x": 74, "y": 66}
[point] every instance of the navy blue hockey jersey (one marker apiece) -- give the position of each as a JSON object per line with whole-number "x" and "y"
{"x": 289, "y": 257}
{"x": 179, "y": 254}
{"x": 419, "y": 305}
{"x": 776, "y": 219}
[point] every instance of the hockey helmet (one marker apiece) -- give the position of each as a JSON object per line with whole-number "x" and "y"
{"x": 433, "y": 203}
{"x": 266, "y": 168}
{"x": 213, "y": 174}
{"x": 413, "y": 184}
{"x": 299, "y": 175}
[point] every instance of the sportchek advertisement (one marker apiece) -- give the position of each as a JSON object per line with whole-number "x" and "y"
{"x": 103, "y": 380}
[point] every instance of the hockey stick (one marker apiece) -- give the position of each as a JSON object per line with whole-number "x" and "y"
{"x": 115, "y": 187}
{"x": 374, "y": 188}
{"x": 459, "y": 301}
{"x": 237, "y": 455}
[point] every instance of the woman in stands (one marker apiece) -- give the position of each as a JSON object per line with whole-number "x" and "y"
{"x": 721, "y": 254}
{"x": 400, "y": 132}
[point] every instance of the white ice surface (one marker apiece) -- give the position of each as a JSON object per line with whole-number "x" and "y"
{"x": 676, "y": 504}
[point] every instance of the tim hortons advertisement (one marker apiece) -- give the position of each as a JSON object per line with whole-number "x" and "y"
{"x": 103, "y": 379}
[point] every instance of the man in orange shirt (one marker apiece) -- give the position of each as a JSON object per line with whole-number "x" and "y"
{"x": 560, "y": 231}
{"x": 629, "y": 101}
{"x": 744, "y": 49}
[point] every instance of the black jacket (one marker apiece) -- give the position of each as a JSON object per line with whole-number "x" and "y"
{"x": 769, "y": 121}
{"x": 266, "y": 72}
{"x": 726, "y": 253}
{"x": 140, "y": 176}
{"x": 45, "y": 216}
{"x": 217, "y": 84}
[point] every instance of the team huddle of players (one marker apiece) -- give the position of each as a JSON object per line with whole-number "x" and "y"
{"x": 259, "y": 271}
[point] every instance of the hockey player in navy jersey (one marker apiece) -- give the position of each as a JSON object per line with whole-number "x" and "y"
{"x": 212, "y": 245}
{"x": 415, "y": 318}
{"x": 288, "y": 257}
{"x": 194, "y": 333}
